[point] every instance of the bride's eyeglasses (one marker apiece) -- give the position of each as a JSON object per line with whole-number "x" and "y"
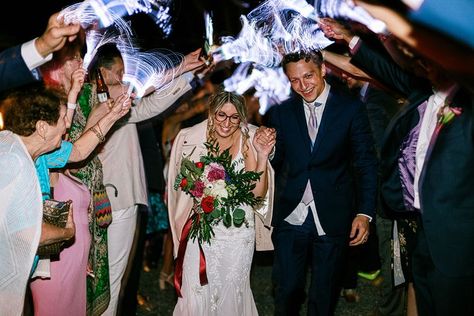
{"x": 221, "y": 117}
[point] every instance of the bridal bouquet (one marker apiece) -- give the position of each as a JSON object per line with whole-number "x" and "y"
{"x": 218, "y": 189}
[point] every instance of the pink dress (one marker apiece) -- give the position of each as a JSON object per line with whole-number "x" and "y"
{"x": 65, "y": 292}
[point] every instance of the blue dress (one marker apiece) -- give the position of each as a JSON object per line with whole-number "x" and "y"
{"x": 52, "y": 160}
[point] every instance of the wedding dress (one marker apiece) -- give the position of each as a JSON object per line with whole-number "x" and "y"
{"x": 228, "y": 262}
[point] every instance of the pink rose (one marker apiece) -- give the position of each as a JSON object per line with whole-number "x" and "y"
{"x": 216, "y": 172}
{"x": 198, "y": 189}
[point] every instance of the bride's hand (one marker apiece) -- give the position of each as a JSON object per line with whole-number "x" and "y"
{"x": 264, "y": 141}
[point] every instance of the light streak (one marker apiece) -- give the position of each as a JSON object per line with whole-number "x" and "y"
{"x": 283, "y": 26}
{"x": 121, "y": 36}
{"x": 306, "y": 35}
{"x": 209, "y": 28}
{"x": 279, "y": 27}
{"x": 273, "y": 29}
{"x": 104, "y": 23}
{"x": 279, "y": 7}
{"x": 347, "y": 9}
{"x": 107, "y": 12}
{"x": 143, "y": 70}
{"x": 150, "y": 69}
{"x": 271, "y": 84}
{"x": 250, "y": 45}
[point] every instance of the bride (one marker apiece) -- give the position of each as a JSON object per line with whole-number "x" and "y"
{"x": 228, "y": 256}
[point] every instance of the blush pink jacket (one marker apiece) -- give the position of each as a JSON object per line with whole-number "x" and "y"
{"x": 179, "y": 203}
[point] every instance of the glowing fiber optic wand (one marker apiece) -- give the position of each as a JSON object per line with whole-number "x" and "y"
{"x": 208, "y": 39}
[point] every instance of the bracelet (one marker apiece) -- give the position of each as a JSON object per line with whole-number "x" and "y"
{"x": 100, "y": 130}
{"x": 98, "y": 133}
{"x": 71, "y": 106}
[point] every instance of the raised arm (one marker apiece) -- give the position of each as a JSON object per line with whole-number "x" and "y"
{"x": 56, "y": 35}
{"x": 77, "y": 81}
{"x": 191, "y": 64}
{"x": 18, "y": 63}
{"x": 94, "y": 135}
{"x": 448, "y": 53}
{"x": 263, "y": 142}
{"x": 378, "y": 66}
{"x": 157, "y": 102}
{"x": 344, "y": 63}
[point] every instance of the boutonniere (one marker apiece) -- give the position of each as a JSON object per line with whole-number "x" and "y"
{"x": 447, "y": 113}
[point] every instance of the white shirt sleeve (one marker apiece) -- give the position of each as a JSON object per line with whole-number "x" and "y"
{"x": 354, "y": 41}
{"x": 31, "y": 56}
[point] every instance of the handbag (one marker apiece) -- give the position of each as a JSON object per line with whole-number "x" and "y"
{"x": 102, "y": 208}
{"x": 54, "y": 213}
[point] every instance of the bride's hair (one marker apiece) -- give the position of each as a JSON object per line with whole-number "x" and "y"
{"x": 216, "y": 101}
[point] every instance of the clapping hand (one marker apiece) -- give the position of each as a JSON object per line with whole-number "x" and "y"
{"x": 264, "y": 141}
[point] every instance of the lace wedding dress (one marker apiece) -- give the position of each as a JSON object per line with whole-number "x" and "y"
{"x": 228, "y": 263}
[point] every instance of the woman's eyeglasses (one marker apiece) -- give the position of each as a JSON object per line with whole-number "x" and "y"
{"x": 221, "y": 117}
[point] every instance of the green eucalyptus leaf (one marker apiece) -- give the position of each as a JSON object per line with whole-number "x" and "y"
{"x": 238, "y": 222}
{"x": 239, "y": 214}
{"x": 216, "y": 213}
{"x": 227, "y": 220}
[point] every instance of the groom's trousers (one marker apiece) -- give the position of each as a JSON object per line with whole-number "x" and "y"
{"x": 296, "y": 248}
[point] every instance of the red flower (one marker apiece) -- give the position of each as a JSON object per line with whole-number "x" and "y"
{"x": 207, "y": 204}
{"x": 200, "y": 165}
{"x": 184, "y": 183}
{"x": 198, "y": 189}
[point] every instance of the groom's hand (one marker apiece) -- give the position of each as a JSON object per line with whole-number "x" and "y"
{"x": 264, "y": 141}
{"x": 359, "y": 231}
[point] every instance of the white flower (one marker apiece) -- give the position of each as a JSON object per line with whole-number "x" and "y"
{"x": 217, "y": 189}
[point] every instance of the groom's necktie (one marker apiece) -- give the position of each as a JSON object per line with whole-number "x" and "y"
{"x": 313, "y": 121}
{"x": 312, "y": 131}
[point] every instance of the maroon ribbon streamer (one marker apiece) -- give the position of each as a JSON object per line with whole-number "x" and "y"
{"x": 183, "y": 242}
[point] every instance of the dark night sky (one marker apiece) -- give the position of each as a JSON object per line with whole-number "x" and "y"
{"x": 28, "y": 19}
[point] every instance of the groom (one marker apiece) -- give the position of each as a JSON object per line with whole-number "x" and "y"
{"x": 324, "y": 147}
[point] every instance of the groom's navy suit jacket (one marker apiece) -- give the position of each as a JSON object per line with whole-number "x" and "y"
{"x": 446, "y": 182}
{"x": 13, "y": 70}
{"x": 343, "y": 150}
